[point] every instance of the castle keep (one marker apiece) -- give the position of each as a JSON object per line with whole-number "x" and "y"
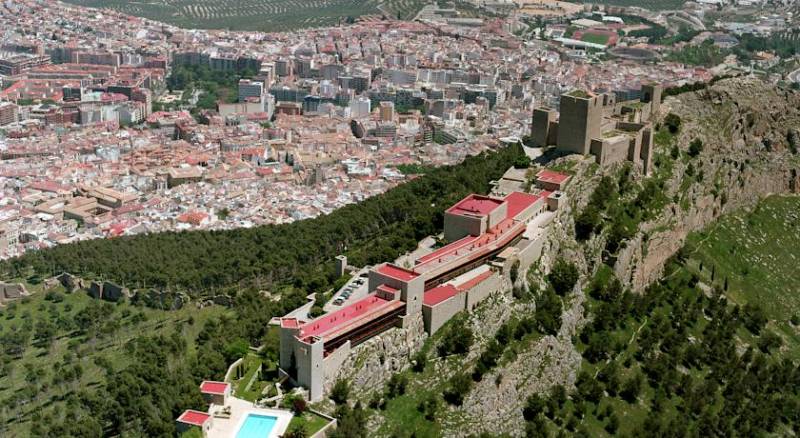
{"x": 598, "y": 125}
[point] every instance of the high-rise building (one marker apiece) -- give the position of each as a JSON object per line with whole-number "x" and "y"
{"x": 360, "y": 82}
{"x": 360, "y": 107}
{"x": 283, "y": 68}
{"x": 302, "y": 67}
{"x": 8, "y": 113}
{"x": 250, "y": 89}
{"x": 144, "y": 96}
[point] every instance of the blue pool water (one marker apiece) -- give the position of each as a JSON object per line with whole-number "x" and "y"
{"x": 256, "y": 426}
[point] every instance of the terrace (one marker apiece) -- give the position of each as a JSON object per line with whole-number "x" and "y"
{"x": 475, "y": 205}
{"x": 355, "y": 322}
{"x": 472, "y": 248}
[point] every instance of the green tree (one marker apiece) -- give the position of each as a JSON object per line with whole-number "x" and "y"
{"x": 588, "y": 222}
{"x": 632, "y": 387}
{"x": 340, "y": 391}
{"x": 396, "y": 386}
{"x": 457, "y": 338}
{"x": 514, "y": 272}
{"x": 457, "y": 388}
{"x": 563, "y": 276}
{"x": 548, "y": 312}
{"x": 695, "y": 147}
{"x": 672, "y": 122}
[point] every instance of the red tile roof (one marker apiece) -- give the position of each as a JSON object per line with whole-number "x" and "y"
{"x": 447, "y": 291}
{"x": 212, "y": 387}
{"x": 518, "y": 201}
{"x": 475, "y": 205}
{"x": 439, "y": 294}
{"x": 552, "y": 177}
{"x": 397, "y": 272}
{"x": 195, "y": 418}
{"x": 447, "y": 249}
{"x": 331, "y": 321}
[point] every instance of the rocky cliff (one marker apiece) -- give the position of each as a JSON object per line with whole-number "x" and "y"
{"x": 370, "y": 365}
{"x": 748, "y": 129}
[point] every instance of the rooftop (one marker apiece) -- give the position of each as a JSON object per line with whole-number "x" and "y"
{"x": 446, "y": 291}
{"x": 439, "y": 294}
{"x": 583, "y": 94}
{"x": 212, "y": 387}
{"x": 195, "y": 418}
{"x": 518, "y": 201}
{"x": 552, "y": 177}
{"x": 472, "y": 245}
{"x": 475, "y": 205}
{"x": 397, "y": 272}
{"x": 335, "y": 323}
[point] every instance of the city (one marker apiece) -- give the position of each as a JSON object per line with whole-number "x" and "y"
{"x": 324, "y": 119}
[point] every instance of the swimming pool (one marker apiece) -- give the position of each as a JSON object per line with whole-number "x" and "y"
{"x": 256, "y": 426}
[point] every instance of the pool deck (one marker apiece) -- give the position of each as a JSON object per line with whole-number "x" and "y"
{"x": 229, "y": 427}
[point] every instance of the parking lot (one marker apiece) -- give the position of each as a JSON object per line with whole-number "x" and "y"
{"x": 353, "y": 290}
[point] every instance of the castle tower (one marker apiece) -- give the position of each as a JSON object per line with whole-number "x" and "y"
{"x": 651, "y": 93}
{"x": 579, "y": 122}
{"x": 541, "y": 124}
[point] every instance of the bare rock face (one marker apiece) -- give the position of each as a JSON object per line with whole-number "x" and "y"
{"x": 495, "y": 403}
{"x": 370, "y": 365}
{"x": 748, "y": 129}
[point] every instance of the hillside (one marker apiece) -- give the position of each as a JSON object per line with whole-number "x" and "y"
{"x": 257, "y": 15}
{"x": 646, "y": 342}
{"x": 753, "y": 256}
{"x": 74, "y": 366}
{"x": 57, "y": 346}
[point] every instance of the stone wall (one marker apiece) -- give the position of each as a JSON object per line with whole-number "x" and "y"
{"x": 436, "y": 316}
{"x": 370, "y": 365}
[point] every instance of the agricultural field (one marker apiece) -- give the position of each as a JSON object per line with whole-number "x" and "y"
{"x": 261, "y": 15}
{"x": 656, "y": 5}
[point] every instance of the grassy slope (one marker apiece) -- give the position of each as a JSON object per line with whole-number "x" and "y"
{"x": 85, "y": 350}
{"x": 758, "y": 252}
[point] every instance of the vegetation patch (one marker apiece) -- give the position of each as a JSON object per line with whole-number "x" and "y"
{"x": 753, "y": 257}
